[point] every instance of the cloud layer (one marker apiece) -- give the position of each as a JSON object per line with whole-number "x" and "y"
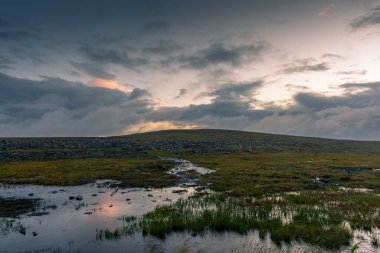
{"x": 55, "y": 107}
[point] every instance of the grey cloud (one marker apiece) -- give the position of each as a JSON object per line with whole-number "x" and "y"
{"x": 224, "y": 54}
{"x": 5, "y": 62}
{"x": 112, "y": 56}
{"x": 350, "y": 116}
{"x": 55, "y": 107}
{"x": 182, "y": 92}
{"x": 139, "y": 93}
{"x": 229, "y": 101}
{"x": 332, "y": 56}
{"x": 352, "y": 72}
{"x": 93, "y": 70}
{"x": 371, "y": 18}
{"x": 162, "y": 47}
{"x": 304, "y": 67}
{"x": 235, "y": 92}
{"x": 372, "y": 86}
{"x": 58, "y": 107}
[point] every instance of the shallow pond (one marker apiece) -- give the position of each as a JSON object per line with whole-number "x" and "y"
{"x": 70, "y": 218}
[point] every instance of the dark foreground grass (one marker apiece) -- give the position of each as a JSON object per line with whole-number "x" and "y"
{"x": 132, "y": 172}
{"x": 14, "y": 207}
{"x": 326, "y": 219}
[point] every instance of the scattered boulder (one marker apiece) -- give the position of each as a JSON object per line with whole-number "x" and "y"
{"x": 181, "y": 191}
{"x": 22, "y": 231}
{"x": 79, "y": 197}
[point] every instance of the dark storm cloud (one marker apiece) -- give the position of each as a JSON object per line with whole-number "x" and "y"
{"x": 58, "y": 107}
{"x": 371, "y": 18}
{"x": 93, "y": 70}
{"x": 112, "y": 56}
{"x": 225, "y": 54}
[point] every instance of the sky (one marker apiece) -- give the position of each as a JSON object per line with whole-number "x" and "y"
{"x": 100, "y": 68}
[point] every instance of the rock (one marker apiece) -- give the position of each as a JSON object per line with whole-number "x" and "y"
{"x": 34, "y": 233}
{"x": 54, "y": 192}
{"x": 200, "y": 188}
{"x": 88, "y": 213}
{"x": 79, "y": 197}
{"x": 110, "y": 205}
{"x": 94, "y": 195}
{"x": 31, "y": 194}
{"x": 71, "y": 197}
{"x": 22, "y": 231}
{"x": 179, "y": 191}
{"x": 150, "y": 195}
{"x": 128, "y": 199}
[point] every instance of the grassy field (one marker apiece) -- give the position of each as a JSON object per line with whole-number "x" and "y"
{"x": 132, "y": 172}
{"x": 258, "y": 174}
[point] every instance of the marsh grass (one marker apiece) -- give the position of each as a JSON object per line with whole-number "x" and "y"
{"x": 326, "y": 219}
{"x": 8, "y": 225}
{"x": 12, "y": 208}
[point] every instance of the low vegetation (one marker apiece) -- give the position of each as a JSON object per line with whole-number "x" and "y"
{"x": 12, "y": 208}
{"x": 266, "y": 173}
{"x": 132, "y": 172}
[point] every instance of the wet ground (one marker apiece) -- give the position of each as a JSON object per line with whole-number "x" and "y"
{"x": 69, "y": 219}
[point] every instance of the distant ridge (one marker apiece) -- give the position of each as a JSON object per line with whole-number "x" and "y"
{"x": 221, "y": 134}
